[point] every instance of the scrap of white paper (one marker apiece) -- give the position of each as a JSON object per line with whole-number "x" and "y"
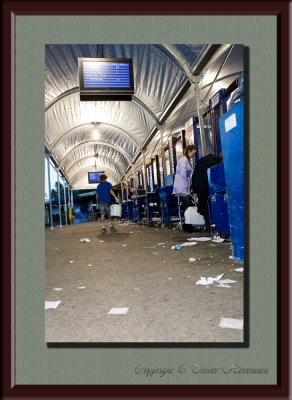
{"x": 58, "y": 289}
{"x": 238, "y": 269}
{"x": 218, "y": 240}
{"x": 191, "y": 259}
{"x": 51, "y": 304}
{"x": 204, "y": 281}
{"x": 86, "y": 240}
{"x": 208, "y": 281}
{"x": 188, "y": 244}
{"x": 199, "y": 239}
{"x": 118, "y": 310}
{"x": 231, "y": 323}
{"x": 227, "y": 281}
{"x": 223, "y": 285}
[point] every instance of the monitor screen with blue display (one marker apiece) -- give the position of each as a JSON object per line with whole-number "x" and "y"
{"x": 105, "y": 79}
{"x": 93, "y": 177}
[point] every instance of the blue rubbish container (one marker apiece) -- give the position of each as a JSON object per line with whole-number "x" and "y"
{"x": 232, "y": 140}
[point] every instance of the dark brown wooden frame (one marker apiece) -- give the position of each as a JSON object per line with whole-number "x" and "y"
{"x": 277, "y": 8}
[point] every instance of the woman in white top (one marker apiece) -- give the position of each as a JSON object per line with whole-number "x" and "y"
{"x": 182, "y": 181}
{"x": 184, "y": 169}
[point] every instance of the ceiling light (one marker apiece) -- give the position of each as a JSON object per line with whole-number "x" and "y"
{"x": 95, "y": 134}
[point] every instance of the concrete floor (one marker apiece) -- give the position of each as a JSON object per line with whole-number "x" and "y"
{"x": 157, "y": 284}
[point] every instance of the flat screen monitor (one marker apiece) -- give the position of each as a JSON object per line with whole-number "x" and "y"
{"x": 93, "y": 177}
{"x": 105, "y": 79}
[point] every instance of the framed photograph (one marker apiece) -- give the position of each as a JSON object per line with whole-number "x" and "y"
{"x": 47, "y": 353}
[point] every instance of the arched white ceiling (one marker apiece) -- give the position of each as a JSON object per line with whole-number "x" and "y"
{"x": 163, "y": 93}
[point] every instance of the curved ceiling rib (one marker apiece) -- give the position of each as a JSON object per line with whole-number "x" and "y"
{"x": 85, "y": 144}
{"x": 217, "y": 73}
{"x": 119, "y": 166}
{"x": 221, "y": 79}
{"x": 144, "y": 107}
{"x": 207, "y": 52}
{"x": 179, "y": 61}
{"x": 76, "y": 89}
{"x": 216, "y": 56}
{"x": 62, "y": 96}
{"x": 87, "y": 169}
{"x": 168, "y": 53}
{"x": 89, "y": 123}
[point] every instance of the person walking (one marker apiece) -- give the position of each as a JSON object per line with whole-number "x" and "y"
{"x": 104, "y": 191}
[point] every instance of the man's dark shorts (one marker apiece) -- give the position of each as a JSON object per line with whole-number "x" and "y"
{"x": 104, "y": 208}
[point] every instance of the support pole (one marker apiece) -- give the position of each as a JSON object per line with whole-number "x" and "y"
{"x": 122, "y": 191}
{"x": 50, "y": 197}
{"x": 127, "y": 189}
{"x": 144, "y": 171}
{"x": 65, "y": 204}
{"x": 163, "y": 157}
{"x": 72, "y": 199}
{"x": 59, "y": 199}
{"x": 135, "y": 180}
{"x": 69, "y": 202}
{"x": 200, "y": 116}
{"x": 71, "y": 205}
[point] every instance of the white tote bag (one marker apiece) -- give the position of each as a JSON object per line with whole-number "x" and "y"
{"x": 193, "y": 217}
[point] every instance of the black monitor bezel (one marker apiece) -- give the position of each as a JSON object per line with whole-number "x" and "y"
{"x": 90, "y": 181}
{"x": 105, "y": 91}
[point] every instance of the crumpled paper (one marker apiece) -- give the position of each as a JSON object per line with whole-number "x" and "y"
{"x": 208, "y": 281}
{"x": 84, "y": 240}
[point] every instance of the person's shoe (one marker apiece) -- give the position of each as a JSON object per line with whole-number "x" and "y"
{"x": 103, "y": 231}
{"x": 113, "y": 229}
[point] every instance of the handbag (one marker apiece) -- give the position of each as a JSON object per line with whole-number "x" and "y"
{"x": 193, "y": 217}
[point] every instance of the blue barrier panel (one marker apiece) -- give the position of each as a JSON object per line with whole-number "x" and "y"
{"x": 232, "y": 140}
